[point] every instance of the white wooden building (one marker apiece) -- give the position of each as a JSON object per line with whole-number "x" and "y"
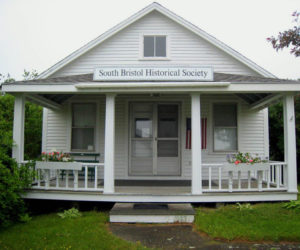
{"x": 137, "y": 95}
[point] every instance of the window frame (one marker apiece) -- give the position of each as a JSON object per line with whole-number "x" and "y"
{"x": 95, "y": 144}
{"x": 213, "y": 127}
{"x": 154, "y": 58}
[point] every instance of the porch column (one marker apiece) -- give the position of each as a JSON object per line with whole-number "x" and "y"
{"x": 196, "y": 144}
{"x": 290, "y": 156}
{"x": 109, "y": 146}
{"x": 18, "y": 128}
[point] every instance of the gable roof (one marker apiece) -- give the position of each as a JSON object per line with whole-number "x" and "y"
{"x": 164, "y": 11}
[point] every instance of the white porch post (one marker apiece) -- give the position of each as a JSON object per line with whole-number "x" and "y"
{"x": 109, "y": 148}
{"x": 18, "y": 128}
{"x": 290, "y": 142}
{"x": 196, "y": 144}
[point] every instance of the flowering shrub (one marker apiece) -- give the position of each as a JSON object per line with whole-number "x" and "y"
{"x": 244, "y": 158}
{"x": 56, "y": 156}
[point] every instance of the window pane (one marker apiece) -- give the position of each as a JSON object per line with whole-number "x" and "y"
{"x": 83, "y": 139}
{"x": 84, "y": 115}
{"x": 143, "y": 127}
{"x": 148, "y": 46}
{"x": 160, "y": 46}
{"x": 141, "y": 148}
{"x": 167, "y": 121}
{"x": 167, "y": 148}
{"x": 225, "y": 115}
{"x": 225, "y": 139}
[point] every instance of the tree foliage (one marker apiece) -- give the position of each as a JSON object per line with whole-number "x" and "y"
{"x": 14, "y": 179}
{"x": 288, "y": 38}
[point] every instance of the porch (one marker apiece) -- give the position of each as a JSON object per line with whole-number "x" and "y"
{"x": 206, "y": 178}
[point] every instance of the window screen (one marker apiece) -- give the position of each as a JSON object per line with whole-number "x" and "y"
{"x": 225, "y": 127}
{"x": 83, "y": 127}
{"x": 155, "y": 46}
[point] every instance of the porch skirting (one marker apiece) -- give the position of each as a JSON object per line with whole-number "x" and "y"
{"x": 176, "y": 198}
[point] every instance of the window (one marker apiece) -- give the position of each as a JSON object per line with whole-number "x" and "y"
{"x": 225, "y": 127}
{"x": 83, "y": 127}
{"x": 155, "y": 46}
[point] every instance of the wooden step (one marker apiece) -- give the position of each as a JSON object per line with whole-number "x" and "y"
{"x": 152, "y": 213}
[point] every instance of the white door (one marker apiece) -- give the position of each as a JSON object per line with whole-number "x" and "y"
{"x": 154, "y": 139}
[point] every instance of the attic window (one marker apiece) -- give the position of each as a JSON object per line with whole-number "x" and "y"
{"x": 155, "y": 46}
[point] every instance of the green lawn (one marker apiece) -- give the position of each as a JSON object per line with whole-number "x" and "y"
{"x": 265, "y": 222}
{"x": 51, "y": 232}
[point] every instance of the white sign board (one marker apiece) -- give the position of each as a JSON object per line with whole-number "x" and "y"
{"x": 148, "y": 73}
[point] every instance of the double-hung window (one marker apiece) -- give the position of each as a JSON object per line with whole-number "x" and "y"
{"x": 225, "y": 127}
{"x": 155, "y": 46}
{"x": 83, "y": 127}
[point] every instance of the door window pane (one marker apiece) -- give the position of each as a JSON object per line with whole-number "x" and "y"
{"x": 167, "y": 148}
{"x": 167, "y": 121}
{"x": 141, "y": 149}
{"x": 143, "y": 128}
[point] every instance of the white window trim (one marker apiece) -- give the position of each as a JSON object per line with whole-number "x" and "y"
{"x": 69, "y": 125}
{"x": 155, "y": 58}
{"x": 210, "y": 128}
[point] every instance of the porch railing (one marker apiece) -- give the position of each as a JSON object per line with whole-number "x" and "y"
{"x": 221, "y": 180}
{"x": 88, "y": 178}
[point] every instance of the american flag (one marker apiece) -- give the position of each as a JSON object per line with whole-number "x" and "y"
{"x": 188, "y": 140}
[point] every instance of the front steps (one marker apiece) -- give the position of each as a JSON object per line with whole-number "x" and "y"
{"x": 152, "y": 213}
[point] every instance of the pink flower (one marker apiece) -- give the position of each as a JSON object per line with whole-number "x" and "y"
{"x": 251, "y": 160}
{"x": 43, "y": 153}
{"x": 236, "y": 162}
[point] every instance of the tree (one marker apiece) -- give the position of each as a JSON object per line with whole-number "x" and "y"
{"x": 288, "y": 38}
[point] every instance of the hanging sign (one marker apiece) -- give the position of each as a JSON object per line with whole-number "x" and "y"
{"x": 149, "y": 73}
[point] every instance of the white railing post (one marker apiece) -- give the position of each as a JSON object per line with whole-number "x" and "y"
{"x": 196, "y": 144}
{"x": 18, "y": 128}
{"x": 290, "y": 142}
{"x": 109, "y": 154}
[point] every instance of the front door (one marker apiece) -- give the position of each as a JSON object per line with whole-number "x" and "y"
{"x": 154, "y": 139}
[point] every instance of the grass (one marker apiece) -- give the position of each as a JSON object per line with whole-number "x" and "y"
{"x": 265, "y": 222}
{"x": 51, "y": 232}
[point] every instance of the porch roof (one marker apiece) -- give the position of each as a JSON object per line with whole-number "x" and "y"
{"x": 255, "y": 90}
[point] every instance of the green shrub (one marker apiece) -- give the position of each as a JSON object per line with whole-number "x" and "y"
{"x": 14, "y": 179}
{"x": 292, "y": 205}
{"x": 243, "y": 207}
{"x": 70, "y": 213}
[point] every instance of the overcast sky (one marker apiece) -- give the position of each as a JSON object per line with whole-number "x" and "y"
{"x": 35, "y": 34}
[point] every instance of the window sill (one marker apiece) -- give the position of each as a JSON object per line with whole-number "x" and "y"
{"x": 154, "y": 59}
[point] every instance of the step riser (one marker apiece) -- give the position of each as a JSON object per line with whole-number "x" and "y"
{"x": 152, "y": 219}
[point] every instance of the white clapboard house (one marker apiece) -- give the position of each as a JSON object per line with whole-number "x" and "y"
{"x": 150, "y": 110}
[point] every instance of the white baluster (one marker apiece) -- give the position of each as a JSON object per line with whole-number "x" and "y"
{"x": 249, "y": 179}
{"x": 57, "y": 178}
{"x": 67, "y": 178}
{"x": 220, "y": 178}
{"x": 209, "y": 178}
{"x": 230, "y": 180}
{"x": 75, "y": 173}
{"x": 239, "y": 180}
{"x": 96, "y": 177}
{"x": 86, "y": 177}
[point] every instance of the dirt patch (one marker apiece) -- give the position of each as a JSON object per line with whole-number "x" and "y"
{"x": 178, "y": 236}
